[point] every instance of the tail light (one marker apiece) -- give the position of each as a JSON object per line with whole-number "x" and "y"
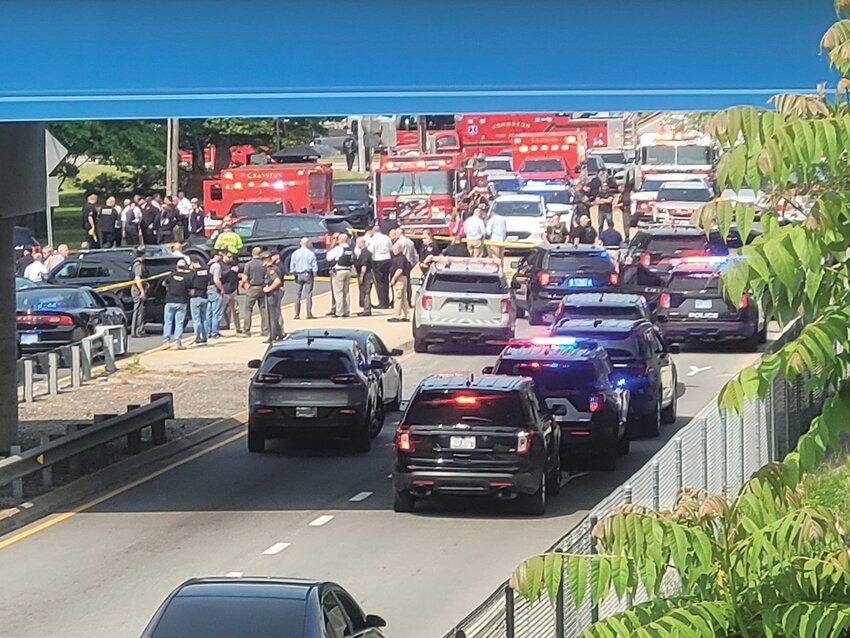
{"x": 544, "y": 278}
{"x": 426, "y": 302}
{"x": 745, "y": 301}
{"x": 614, "y": 279}
{"x": 329, "y": 240}
{"x": 664, "y": 301}
{"x": 265, "y": 377}
{"x": 523, "y": 441}
{"x": 643, "y": 206}
{"x": 402, "y": 439}
{"x": 348, "y": 378}
{"x": 595, "y": 402}
{"x": 506, "y": 306}
{"x": 263, "y": 411}
{"x": 52, "y": 320}
{"x": 646, "y": 260}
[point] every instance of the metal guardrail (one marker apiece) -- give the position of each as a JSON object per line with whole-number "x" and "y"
{"x": 78, "y": 358}
{"x": 714, "y": 451}
{"x": 104, "y": 429}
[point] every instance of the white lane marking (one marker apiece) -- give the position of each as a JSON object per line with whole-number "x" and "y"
{"x": 571, "y": 477}
{"x": 277, "y": 548}
{"x": 360, "y": 496}
{"x": 695, "y": 370}
{"x": 234, "y": 574}
{"x": 322, "y": 520}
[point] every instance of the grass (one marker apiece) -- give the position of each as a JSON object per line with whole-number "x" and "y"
{"x": 829, "y": 486}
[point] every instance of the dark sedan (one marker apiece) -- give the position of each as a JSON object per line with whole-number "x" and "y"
{"x": 261, "y": 608}
{"x": 352, "y": 201}
{"x": 54, "y": 316}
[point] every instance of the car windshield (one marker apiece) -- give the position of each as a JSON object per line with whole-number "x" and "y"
{"x": 576, "y": 263}
{"x": 301, "y": 225}
{"x": 229, "y": 616}
{"x": 307, "y": 364}
{"x": 694, "y": 282}
{"x": 256, "y": 209}
{"x": 542, "y": 166}
{"x": 681, "y": 194}
{"x": 351, "y": 192}
{"x": 463, "y": 282}
{"x": 553, "y": 196}
{"x": 472, "y": 406}
{"x": 594, "y": 165}
{"x": 621, "y": 345}
{"x": 608, "y": 312}
{"x": 553, "y": 378}
{"x": 418, "y": 183}
{"x": 659, "y": 155}
{"x": 49, "y": 299}
{"x": 693, "y": 156}
{"x": 613, "y": 158}
{"x": 498, "y": 162}
{"x": 529, "y": 208}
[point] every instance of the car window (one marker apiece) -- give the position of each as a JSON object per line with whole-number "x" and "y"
{"x": 244, "y": 228}
{"x": 93, "y": 299}
{"x": 352, "y": 610}
{"x": 553, "y": 378}
{"x": 575, "y": 263}
{"x": 228, "y": 616}
{"x": 50, "y": 299}
{"x": 68, "y": 270}
{"x": 93, "y": 271}
{"x": 610, "y": 312}
{"x": 460, "y": 283}
{"x": 336, "y": 622}
{"x": 372, "y": 348}
{"x": 267, "y": 226}
{"x": 307, "y": 364}
{"x": 470, "y": 406}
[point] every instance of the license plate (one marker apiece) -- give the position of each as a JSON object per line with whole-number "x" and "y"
{"x": 305, "y": 413}
{"x": 462, "y": 443}
{"x": 703, "y": 304}
{"x": 580, "y": 282}
{"x": 466, "y": 307}
{"x": 31, "y": 337}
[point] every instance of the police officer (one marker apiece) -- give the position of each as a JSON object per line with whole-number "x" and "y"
{"x": 341, "y": 258}
{"x": 273, "y": 287}
{"x": 199, "y": 301}
{"x": 138, "y": 272}
{"x": 230, "y": 290}
{"x": 253, "y": 280}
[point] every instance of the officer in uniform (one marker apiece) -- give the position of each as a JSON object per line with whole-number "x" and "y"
{"x": 273, "y": 287}
{"x": 341, "y": 258}
{"x": 138, "y": 272}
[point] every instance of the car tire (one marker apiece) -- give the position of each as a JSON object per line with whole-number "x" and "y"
{"x": 670, "y": 413}
{"x": 535, "y": 504}
{"x": 624, "y": 445}
{"x": 650, "y": 424}
{"x": 419, "y": 346}
{"x": 256, "y": 439}
{"x": 376, "y": 418}
{"x": 751, "y": 344}
{"x": 363, "y": 437}
{"x": 395, "y": 404}
{"x": 763, "y": 334}
{"x": 553, "y": 481}
{"x": 403, "y": 502}
{"x": 535, "y": 318}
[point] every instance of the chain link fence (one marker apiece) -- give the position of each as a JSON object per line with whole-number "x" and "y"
{"x": 714, "y": 451}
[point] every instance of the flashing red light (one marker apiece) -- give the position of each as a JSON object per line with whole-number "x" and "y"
{"x": 614, "y": 279}
{"x": 664, "y": 301}
{"x": 544, "y": 278}
{"x": 643, "y": 206}
{"x": 646, "y": 260}
{"x": 466, "y": 399}
{"x": 523, "y": 441}
{"x": 506, "y": 306}
{"x": 403, "y": 442}
{"x": 329, "y": 240}
{"x": 595, "y": 402}
{"x": 426, "y": 302}
{"x": 745, "y": 301}
{"x": 347, "y": 411}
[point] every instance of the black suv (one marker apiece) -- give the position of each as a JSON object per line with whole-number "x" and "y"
{"x": 580, "y": 379}
{"x": 479, "y": 435}
{"x": 642, "y": 362}
{"x": 603, "y": 305}
{"x": 103, "y": 268}
{"x": 548, "y": 273}
{"x": 353, "y": 202}
{"x": 315, "y": 386}
{"x": 694, "y": 309}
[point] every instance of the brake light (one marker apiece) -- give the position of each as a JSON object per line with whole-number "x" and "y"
{"x": 265, "y": 377}
{"x": 506, "y": 306}
{"x": 614, "y": 279}
{"x": 664, "y": 301}
{"x": 263, "y": 411}
{"x": 646, "y": 260}
{"x": 402, "y": 439}
{"x": 329, "y": 240}
{"x": 595, "y": 402}
{"x": 466, "y": 399}
{"x": 544, "y": 278}
{"x": 426, "y": 302}
{"x": 523, "y": 441}
{"x": 745, "y": 301}
{"x": 349, "y": 378}
{"x": 53, "y": 320}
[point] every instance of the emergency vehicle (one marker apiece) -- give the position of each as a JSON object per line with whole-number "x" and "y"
{"x": 268, "y": 189}
{"x": 676, "y": 153}
{"x": 239, "y": 155}
{"x": 407, "y": 128}
{"x": 493, "y": 133}
{"x": 547, "y": 157}
{"x": 418, "y": 191}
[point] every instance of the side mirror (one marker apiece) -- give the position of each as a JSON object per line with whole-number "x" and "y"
{"x": 375, "y": 621}
{"x": 487, "y": 370}
{"x": 559, "y": 410}
{"x": 674, "y": 348}
{"x": 254, "y": 364}
{"x": 416, "y": 281}
{"x": 396, "y": 352}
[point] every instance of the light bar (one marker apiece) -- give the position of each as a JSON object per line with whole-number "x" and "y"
{"x": 555, "y": 341}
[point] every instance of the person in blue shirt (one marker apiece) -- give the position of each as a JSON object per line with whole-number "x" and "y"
{"x": 304, "y": 266}
{"x": 497, "y": 231}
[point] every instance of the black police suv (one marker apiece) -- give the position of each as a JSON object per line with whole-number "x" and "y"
{"x": 291, "y": 607}
{"x": 641, "y": 361}
{"x": 315, "y": 386}
{"x": 579, "y": 379}
{"x": 603, "y": 305}
{"x": 548, "y": 273}
{"x": 353, "y": 202}
{"x": 694, "y": 309}
{"x": 487, "y": 435}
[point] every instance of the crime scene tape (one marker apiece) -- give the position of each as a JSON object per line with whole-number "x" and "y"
{"x": 126, "y": 284}
{"x": 487, "y": 242}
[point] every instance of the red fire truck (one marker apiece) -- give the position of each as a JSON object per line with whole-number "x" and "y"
{"x": 407, "y": 131}
{"x": 418, "y": 191}
{"x": 239, "y": 155}
{"x": 269, "y": 189}
{"x": 549, "y": 157}
{"x": 492, "y": 133}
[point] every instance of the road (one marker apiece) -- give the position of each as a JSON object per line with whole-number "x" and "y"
{"x": 299, "y": 511}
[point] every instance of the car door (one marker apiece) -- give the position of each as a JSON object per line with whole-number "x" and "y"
{"x": 390, "y": 377}
{"x": 664, "y": 363}
{"x": 551, "y": 433}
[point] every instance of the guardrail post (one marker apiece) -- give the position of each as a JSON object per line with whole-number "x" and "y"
{"x": 510, "y": 621}
{"x": 109, "y": 352}
{"x": 134, "y": 439}
{"x": 74, "y": 461}
{"x": 29, "y": 380}
{"x": 724, "y": 453}
{"x": 85, "y": 344}
{"x": 100, "y": 451}
{"x": 47, "y": 472}
{"x": 743, "y": 453}
{"x": 703, "y": 444}
{"x": 76, "y": 367}
{"x": 53, "y": 373}
{"x": 159, "y": 435}
{"x": 17, "y": 484}
{"x": 594, "y": 610}
{"x": 656, "y": 486}
{"x": 680, "y": 478}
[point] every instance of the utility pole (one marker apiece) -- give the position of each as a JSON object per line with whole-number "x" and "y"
{"x": 422, "y": 132}
{"x": 172, "y": 180}
{"x": 361, "y": 146}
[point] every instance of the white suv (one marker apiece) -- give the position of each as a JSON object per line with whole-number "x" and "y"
{"x": 525, "y": 216}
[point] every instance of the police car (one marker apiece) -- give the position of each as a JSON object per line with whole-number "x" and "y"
{"x": 608, "y": 305}
{"x": 463, "y": 300}
{"x": 578, "y": 376}
{"x": 694, "y": 309}
{"x": 642, "y": 362}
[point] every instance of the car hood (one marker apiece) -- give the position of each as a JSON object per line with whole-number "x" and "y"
{"x": 525, "y": 224}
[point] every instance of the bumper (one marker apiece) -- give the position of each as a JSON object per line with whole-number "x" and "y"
{"x": 682, "y": 331}
{"x": 329, "y": 421}
{"x": 429, "y": 482}
{"x": 480, "y": 335}
{"x": 586, "y": 437}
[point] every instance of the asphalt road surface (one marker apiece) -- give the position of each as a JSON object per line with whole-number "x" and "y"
{"x": 300, "y": 510}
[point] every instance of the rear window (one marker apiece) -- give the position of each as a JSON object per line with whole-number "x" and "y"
{"x": 498, "y": 163}
{"x": 455, "y": 282}
{"x": 693, "y": 282}
{"x": 622, "y": 345}
{"x": 553, "y": 378}
{"x": 670, "y": 245}
{"x": 351, "y": 192}
{"x": 24, "y": 238}
{"x": 473, "y": 407}
{"x": 307, "y": 364}
{"x": 226, "y": 617}
{"x": 610, "y": 312}
{"x": 575, "y": 263}
{"x": 518, "y": 208}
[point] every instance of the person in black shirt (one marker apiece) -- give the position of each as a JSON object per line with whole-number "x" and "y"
{"x": 584, "y": 232}
{"x": 605, "y": 207}
{"x": 177, "y": 286}
{"x": 399, "y": 273}
{"x": 167, "y": 220}
{"x": 138, "y": 292}
{"x": 427, "y": 252}
{"x": 89, "y": 211}
{"x": 196, "y": 219}
{"x": 611, "y": 237}
{"x": 199, "y": 301}
{"x": 365, "y": 276}
{"x": 457, "y": 248}
{"x": 230, "y": 284}
{"x": 106, "y": 226}
{"x": 149, "y": 216}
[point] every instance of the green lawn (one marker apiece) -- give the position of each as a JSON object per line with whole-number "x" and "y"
{"x": 830, "y": 486}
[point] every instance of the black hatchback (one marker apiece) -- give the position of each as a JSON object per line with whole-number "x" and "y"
{"x": 482, "y": 435}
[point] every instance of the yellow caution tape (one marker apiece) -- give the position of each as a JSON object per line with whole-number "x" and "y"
{"x": 125, "y": 284}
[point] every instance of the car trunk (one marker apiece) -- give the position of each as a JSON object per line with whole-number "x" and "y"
{"x": 464, "y": 446}
{"x": 466, "y": 308}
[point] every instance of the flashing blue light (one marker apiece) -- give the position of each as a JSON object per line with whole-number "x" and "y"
{"x": 579, "y": 282}
{"x": 604, "y": 253}
{"x": 621, "y": 382}
{"x": 46, "y": 305}
{"x": 701, "y": 275}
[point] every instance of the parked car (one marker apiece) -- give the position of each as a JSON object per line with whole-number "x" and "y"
{"x": 525, "y": 216}
{"x": 353, "y": 202}
{"x": 261, "y": 608}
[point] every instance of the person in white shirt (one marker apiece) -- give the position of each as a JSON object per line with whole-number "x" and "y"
{"x": 497, "y": 231}
{"x": 475, "y": 230}
{"x": 184, "y": 205}
{"x": 36, "y": 271}
{"x": 408, "y": 249}
{"x": 381, "y": 248}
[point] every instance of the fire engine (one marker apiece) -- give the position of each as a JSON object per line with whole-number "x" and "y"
{"x": 676, "y": 153}
{"x": 492, "y": 134}
{"x": 418, "y": 191}
{"x": 548, "y": 157}
{"x": 407, "y": 131}
{"x": 268, "y": 189}
{"x": 239, "y": 155}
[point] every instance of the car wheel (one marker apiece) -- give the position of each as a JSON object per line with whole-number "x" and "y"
{"x": 650, "y": 424}
{"x": 535, "y": 504}
{"x": 419, "y": 346}
{"x": 751, "y": 344}
{"x": 256, "y": 439}
{"x": 763, "y": 334}
{"x": 669, "y": 414}
{"x": 553, "y": 482}
{"x": 624, "y": 445}
{"x": 363, "y": 437}
{"x": 376, "y": 421}
{"x": 535, "y": 318}
{"x": 403, "y": 502}
{"x": 395, "y": 404}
